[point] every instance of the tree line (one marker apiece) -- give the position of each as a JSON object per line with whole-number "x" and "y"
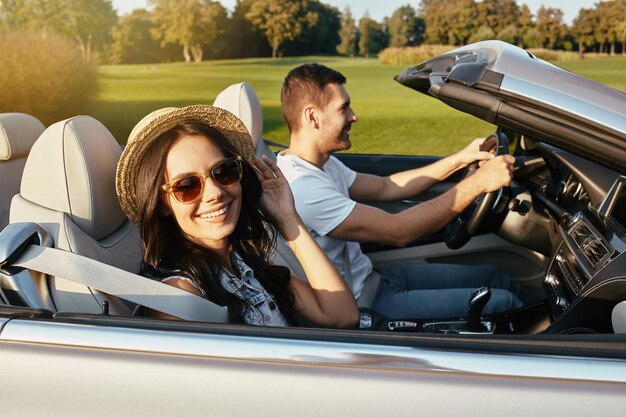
{"x": 204, "y": 29}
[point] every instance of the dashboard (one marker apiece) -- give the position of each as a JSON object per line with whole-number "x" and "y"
{"x": 586, "y": 207}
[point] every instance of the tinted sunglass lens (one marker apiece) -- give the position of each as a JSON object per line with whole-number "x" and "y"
{"x": 187, "y": 189}
{"x": 227, "y": 173}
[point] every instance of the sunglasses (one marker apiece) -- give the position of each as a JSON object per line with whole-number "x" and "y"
{"x": 190, "y": 188}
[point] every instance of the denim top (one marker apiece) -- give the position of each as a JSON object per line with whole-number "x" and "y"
{"x": 258, "y": 306}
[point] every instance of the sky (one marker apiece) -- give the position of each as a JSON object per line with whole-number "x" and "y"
{"x": 378, "y": 9}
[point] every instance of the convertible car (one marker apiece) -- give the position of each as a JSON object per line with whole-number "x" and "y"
{"x": 69, "y": 344}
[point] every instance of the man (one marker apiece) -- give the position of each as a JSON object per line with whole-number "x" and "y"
{"x": 316, "y": 108}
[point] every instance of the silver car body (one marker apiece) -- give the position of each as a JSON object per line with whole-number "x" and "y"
{"x": 57, "y": 368}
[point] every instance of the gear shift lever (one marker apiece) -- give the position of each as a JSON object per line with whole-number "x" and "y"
{"x": 477, "y": 302}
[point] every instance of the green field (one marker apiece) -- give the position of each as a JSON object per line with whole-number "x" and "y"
{"x": 392, "y": 119}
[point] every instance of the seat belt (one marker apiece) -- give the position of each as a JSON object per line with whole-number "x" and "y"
{"x": 370, "y": 286}
{"x": 119, "y": 283}
{"x": 347, "y": 267}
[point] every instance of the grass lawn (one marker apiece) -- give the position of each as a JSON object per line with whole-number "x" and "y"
{"x": 392, "y": 119}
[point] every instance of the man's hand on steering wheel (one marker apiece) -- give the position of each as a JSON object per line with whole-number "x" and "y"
{"x": 473, "y": 153}
{"x": 494, "y": 174}
{"x": 488, "y": 179}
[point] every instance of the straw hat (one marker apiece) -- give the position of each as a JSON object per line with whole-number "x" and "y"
{"x": 157, "y": 123}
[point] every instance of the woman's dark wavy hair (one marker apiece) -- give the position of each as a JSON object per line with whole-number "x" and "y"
{"x": 167, "y": 249}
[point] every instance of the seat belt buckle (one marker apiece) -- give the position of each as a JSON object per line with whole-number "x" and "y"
{"x": 14, "y": 239}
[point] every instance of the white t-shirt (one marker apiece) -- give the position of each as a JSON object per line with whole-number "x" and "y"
{"x": 323, "y": 202}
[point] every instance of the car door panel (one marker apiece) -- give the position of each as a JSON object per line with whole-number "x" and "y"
{"x": 236, "y": 370}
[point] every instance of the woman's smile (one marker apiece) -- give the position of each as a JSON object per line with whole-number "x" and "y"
{"x": 214, "y": 214}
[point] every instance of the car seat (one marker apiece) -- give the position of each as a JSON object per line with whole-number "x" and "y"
{"x": 18, "y": 132}
{"x": 68, "y": 188}
{"x": 241, "y": 100}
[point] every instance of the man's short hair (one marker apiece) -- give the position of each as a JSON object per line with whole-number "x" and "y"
{"x": 306, "y": 84}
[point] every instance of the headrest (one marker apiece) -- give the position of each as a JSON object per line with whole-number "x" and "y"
{"x": 71, "y": 169}
{"x": 241, "y": 100}
{"x": 18, "y": 132}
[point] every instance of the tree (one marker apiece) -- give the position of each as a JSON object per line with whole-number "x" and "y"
{"x": 281, "y": 20}
{"x": 621, "y": 34}
{"x": 498, "y": 14}
{"x": 449, "y": 22}
{"x": 321, "y": 39}
{"x": 404, "y": 27}
{"x": 616, "y": 15}
{"x": 371, "y": 36}
{"x": 483, "y": 33}
{"x": 242, "y": 39}
{"x": 582, "y": 29}
{"x": 525, "y": 22}
{"x": 436, "y": 21}
{"x": 533, "y": 38}
{"x": 462, "y": 18}
{"x": 23, "y": 14}
{"x": 213, "y": 22}
{"x": 601, "y": 29}
{"x": 188, "y": 23}
{"x": 347, "y": 34}
{"x": 132, "y": 42}
{"x": 86, "y": 22}
{"x": 509, "y": 34}
{"x": 550, "y": 26}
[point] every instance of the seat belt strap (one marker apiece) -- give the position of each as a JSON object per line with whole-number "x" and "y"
{"x": 347, "y": 275}
{"x": 120, "y": 283}
{"x": 370, "y": 286}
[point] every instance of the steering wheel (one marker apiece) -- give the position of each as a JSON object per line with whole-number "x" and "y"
{"x": 459, "y": 231}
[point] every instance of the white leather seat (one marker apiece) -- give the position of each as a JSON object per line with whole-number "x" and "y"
{"x": 18, "y": 132}
{"x": 68, "y": 188}
{"x": 241, "y": 100}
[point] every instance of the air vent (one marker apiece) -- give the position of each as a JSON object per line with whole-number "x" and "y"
{"x": 589, "y": 245}
{"x": 595, "y": 252}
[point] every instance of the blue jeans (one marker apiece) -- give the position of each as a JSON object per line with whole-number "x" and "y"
{"x": 441, "y": 290}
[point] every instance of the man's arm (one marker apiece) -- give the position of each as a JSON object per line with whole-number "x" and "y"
{"x": 410, "y": 183}
{"x": 369, "y": 224}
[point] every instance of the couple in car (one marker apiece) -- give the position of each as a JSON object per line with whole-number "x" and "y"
{"x": 207, "y": 210}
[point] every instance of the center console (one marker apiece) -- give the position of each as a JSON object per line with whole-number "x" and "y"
{"x": 582, "y": 252}
{"x": 583, "y": 276}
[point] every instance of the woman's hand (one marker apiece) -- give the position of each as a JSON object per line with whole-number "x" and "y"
{"x": 325, "y": 299}
{"x": 277, "y": 197}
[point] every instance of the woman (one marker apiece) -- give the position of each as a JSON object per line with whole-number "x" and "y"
{"x": 206, "y": 211}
